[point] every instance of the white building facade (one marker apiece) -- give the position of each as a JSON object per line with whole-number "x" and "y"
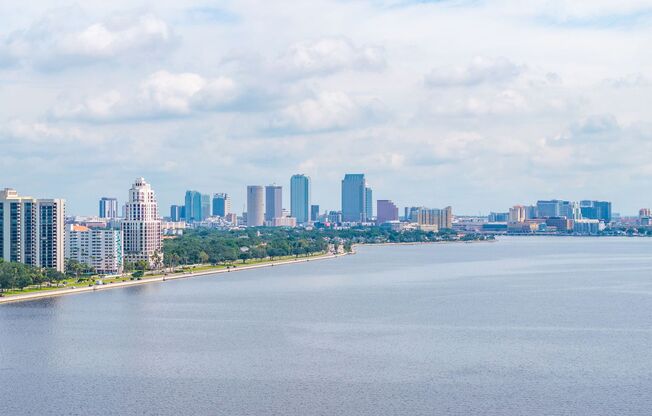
{"x": 141, "y": 228}
{"x": 32, "y": 231}
{"x": 99, "y": 248}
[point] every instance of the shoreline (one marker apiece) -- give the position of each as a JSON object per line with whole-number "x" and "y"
{"x": 164, "y": 278}
{"x": 70, "y": 291}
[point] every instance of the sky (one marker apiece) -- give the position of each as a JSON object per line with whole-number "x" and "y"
{"x": 476, "y": 104}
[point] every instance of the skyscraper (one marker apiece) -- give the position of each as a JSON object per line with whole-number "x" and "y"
{"x": 175, "y": 212}
{"x": 32, "y": 231}
{"x": 141, "y": 228}
{"x": 517, "y": 214}
{"x": 205, "y": 207}
{"x": 369, "y": 203}
{"x": 597, "y": 210}
{"x": 255, "y": 206}
{"x": 300, "y": 197}
{"x": 354, "y": 198}
{"x": 193, "y": 206}
{"x": 386, "y": 211}
{"x": 221, "y": 205}
{"x": 273, "y": 202}
{"x": 314, "y": 212}
{"x": 108, "y": 207}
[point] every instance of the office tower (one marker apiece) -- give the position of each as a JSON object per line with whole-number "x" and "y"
{"x": 314, "y": 212}
{"x": 100, "y": 249}
{"x": 335, "y": 217}
{"x": 549, "y": 209}
{"x": 369, "y": 203}
{"x": 517, "y": 214}
{"x": 530, "y": 212}
{"x": 354, "y": 198}
{"x": 141, "y": 228}
{"x": 442, "y": 218}
{"x": 571, "y": 210}
{"x": 221, "y": 205}
{"x": 255, "y": 206}
{"x": 205, "y": 207}
{"x": 273, "y": 202}
{"x": 108, "y": 207}
{"x": 193, "y": 206}
{"x": 175, "y": 213}
{"x": 300, "y": 198}
{"x": 596, "y": 210}
{"x": 386, "y": 211}
{"x": 32, "y": 231}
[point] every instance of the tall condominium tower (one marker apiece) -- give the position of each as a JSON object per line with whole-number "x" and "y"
{"x": 100, "y": 248}
{"x": 141, "y": 227}
{"x": 32, "y": 231}
{"x": 255, "y": 206}
{"x": 273, "y": 202}
{"x": 386, "y": 211}
{"x": 300, "y": 198}
{"x": 369, "y": 203}
{"x": 108, "y": 207}
{"x": 221, "y": 205}
{"x": 354, "y": 198}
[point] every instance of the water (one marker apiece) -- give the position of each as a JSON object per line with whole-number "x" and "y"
{"x": 524, "y": 326}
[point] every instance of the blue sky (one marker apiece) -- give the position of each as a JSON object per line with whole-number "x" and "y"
{"x": 475, "y": 104}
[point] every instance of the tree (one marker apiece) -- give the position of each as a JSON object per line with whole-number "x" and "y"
{"x": 203, "y": 257}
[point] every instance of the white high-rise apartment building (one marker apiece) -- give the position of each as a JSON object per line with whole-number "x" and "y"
{"x": 141, "y": 228}
{"x": 32, "y": 230}
{"x": 100, "y": 248}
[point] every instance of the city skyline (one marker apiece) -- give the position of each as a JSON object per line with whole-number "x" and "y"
{"x": 96, "y": 94}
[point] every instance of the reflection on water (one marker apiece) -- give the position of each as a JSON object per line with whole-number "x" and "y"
{"x": 523, "y": 326}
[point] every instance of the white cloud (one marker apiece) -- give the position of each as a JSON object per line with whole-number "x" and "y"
{"x": 326, "y": 111}
{"x": 59, "y": 40}
{"x": 480, "y": 71}
{"x": 329, "y": 55}
{"x": 162, "y": 94}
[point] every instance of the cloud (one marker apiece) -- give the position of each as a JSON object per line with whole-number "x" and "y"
{"x": 60, "y": 40}
{"x": 329, "y": 55}
{"x": 162, "y": 94}
{"x": 594, "y": 128}
{"x": 480, "y": 71}
{"x": 326, "y": 111}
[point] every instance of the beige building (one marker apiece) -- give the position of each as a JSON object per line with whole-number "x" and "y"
{"x": 517, "y": 214}
{"x": 141, "y": 228}
{"x": 255, "y": 206}
{"x": 32, "y": 231}
{"x": 441, "y": 218}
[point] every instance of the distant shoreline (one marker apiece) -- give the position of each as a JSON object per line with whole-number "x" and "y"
{"x": 244, "y": 267}
{"x": 94, "y": 288}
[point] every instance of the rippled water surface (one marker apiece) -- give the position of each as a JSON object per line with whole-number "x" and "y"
{"x": 523, "y": 326}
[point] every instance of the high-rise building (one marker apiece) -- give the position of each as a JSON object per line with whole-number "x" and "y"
{"x": 175, "y": 212}
{"x": 141, "y": 228}
{"x": 273, "y": 202}
{"x": 498, "y": 217}
{"x": 108, "y": 207}
{"x": 354, "y": 198}
{"x": 300, "y": 197}
{"x": 314, "y": 212}
{"x": 442, "y": 218}
{"x": 386, "y": 211}
{"x": 32, "y": 231}
{"x": 596, "y": 210}
{"x": 221, "y": 205}
{"x": 368, "y": 203}
{"x": 571, "y": 210}
{"x": 99, "y": 248}
{"x": 549, "y": 209}
{"x": 255, "y": 206}
{"x": 517, "y": 214}
{"x": 193, "y": 206}
{"x": 205, "y": 207}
